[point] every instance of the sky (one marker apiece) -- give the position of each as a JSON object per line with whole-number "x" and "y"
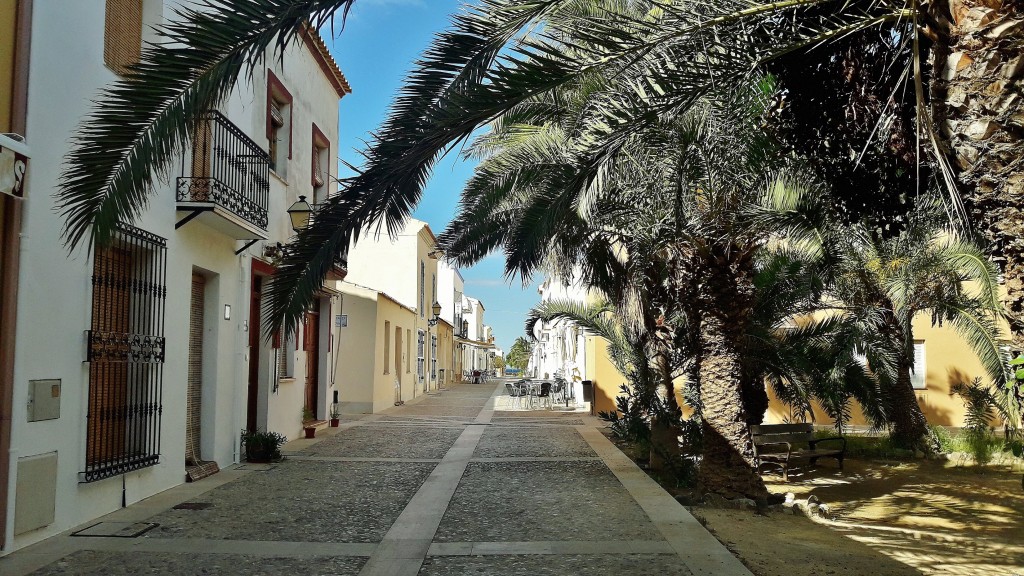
{"x": 377, "y": 47}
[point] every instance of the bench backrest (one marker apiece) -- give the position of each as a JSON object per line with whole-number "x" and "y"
{"x": 772, "y": 433}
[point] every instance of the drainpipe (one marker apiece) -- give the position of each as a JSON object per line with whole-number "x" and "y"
{"x": 9, "y": 263}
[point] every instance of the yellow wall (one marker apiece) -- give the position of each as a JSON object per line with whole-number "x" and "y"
{"x": 384, "y": 375}
{"x": 606, "y": 377}
{"x": 8, "y": 15}
{"x": 948, "y": 360}
{"x": 445, "y": 347}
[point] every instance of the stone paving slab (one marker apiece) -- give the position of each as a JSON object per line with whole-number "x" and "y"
{"x": 303, "y": 502}
{"x": 515, "y": 441}
{"x": 375, "y": 441}
{"x": 533, "y": 501}
{"x": 441, "y": 410}
{"x": 90, "y": 562}
{"x": 540, "y": 565}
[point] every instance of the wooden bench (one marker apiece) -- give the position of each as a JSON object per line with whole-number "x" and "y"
{"x": 785, "y": 435}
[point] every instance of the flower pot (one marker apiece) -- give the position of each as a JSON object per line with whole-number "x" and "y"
{"x": 335, "y": 422}
{"x": 310, "y": 431}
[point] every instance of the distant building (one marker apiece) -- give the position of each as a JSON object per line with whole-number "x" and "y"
{"x": 406, "y": 268}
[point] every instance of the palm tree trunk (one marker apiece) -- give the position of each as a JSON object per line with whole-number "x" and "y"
{"x": 978, "y": 109}
{"x": 909, "y": 426}
{"x": 727, "y": 467}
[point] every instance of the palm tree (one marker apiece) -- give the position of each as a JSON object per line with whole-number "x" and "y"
{"x": 671, "y": 231}
{"x": 883, "y": 284}
{"x": 964, "y": 70}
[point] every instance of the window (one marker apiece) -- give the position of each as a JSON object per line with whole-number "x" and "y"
{"x": 920, "y": 368}
{"x": 423, "y": 288}
{"x": 285, "y": 357}
{"x": 398, "y": 350}
{"x": 321, "y": 169}
{"x": 420, "y": 345}
{"x": 279, "y": 124}
{"x": 387, "y": 345}
{"x": 433, "y": 357}
{"x": 125, "y": 352}
{"x": 122, "y": 34}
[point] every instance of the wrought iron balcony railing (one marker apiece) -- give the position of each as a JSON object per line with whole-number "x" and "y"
{"x": 228, "y": 170}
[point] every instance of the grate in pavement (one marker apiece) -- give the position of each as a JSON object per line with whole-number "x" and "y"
{"x": 116, "y": 530}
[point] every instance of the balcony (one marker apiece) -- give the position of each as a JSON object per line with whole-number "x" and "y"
{"x": 225, "y": 184}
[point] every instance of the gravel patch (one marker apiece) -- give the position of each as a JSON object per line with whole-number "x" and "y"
{"x": 374, "y": 441}
{"x": 588, "y": 565}
{"x": 302, "y": 502}
{"x": 546, "y": 441}
{"x": 85, "y": 563}
{"x": 533, "y": 501}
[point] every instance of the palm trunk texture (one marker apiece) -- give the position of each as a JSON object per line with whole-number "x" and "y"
{"x": 909, "y": 426}
{"x": 978, "y": 100}
{"x": 727, "y": 467}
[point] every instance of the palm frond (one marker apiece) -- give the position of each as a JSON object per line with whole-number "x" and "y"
{"x": 139, "y": 125}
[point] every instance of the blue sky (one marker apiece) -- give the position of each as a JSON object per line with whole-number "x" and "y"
{"x": 376, "y": 49}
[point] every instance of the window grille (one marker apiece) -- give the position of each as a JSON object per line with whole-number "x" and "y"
{"x": 433, "y": 357}
{"x": 125, "y": 352}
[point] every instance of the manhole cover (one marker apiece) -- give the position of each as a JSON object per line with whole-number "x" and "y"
{"x": 194, "y": 506}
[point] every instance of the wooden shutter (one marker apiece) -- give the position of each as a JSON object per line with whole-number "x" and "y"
{"x": 122, "y": 37}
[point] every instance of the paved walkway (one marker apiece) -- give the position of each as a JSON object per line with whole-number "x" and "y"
{"x": 454, "y": 483}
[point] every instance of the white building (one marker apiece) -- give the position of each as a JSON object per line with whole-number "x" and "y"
{"x": 475, "y": 338}
{"x": 559, "y": 346}
{"x": 140, "y": 362}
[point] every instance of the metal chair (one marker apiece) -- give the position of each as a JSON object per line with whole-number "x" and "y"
{"x": 515, "y": 397}
{"x": 544, "y": 396}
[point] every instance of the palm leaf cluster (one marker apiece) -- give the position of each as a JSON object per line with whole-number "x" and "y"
{"x": 495, "y": 56}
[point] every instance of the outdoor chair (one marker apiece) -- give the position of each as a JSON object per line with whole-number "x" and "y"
{"x": 544, "y": 396}
{"x": 514, "y": 394}
{"x": 558, "y": 390}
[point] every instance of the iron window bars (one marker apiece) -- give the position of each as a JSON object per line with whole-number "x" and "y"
{"x": 228, "y": 169}
{"x": 125, "y": 352}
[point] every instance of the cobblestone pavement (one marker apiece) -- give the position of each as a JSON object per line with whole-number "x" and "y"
{"x": 444, "y": 485}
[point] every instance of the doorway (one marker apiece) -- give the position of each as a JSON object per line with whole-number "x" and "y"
{"x": 194, "y": 394}
{"x": 311, "y": 345}
{"x": 252, "y": 403}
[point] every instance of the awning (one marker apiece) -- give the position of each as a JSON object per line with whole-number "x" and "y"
{"x": 14, "y": 157}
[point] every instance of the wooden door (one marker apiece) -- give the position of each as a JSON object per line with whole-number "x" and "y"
{"x": 311, "y": 344}
{"x": 108, "y": 381}
{"x": 194, "y": 396}
{"x": 255, "y": 298}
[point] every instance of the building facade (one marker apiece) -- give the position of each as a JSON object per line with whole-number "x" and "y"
{"x": 405, "y": 267}
{"x": 375, "y": 365}
{"x": 144, "y": 358}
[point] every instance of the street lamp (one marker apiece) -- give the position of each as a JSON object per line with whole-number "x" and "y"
{"x": 436, "y": 308}
{"x": 299, "y": 212}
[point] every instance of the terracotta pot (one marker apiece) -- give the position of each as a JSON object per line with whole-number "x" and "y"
{"x": 310, "y": 431}
{"x": 335, "y": 422}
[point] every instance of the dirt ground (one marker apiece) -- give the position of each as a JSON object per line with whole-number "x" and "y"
{"x": 916, "y": 517}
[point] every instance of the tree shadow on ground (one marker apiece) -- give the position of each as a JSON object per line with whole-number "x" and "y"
{"x": 929, "y": 515}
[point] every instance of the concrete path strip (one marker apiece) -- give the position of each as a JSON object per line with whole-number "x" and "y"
{"x": 698, "y": 549}
{"x": 405, "y": 546}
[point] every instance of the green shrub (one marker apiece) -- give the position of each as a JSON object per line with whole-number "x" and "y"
{"x": 262, "y": 446}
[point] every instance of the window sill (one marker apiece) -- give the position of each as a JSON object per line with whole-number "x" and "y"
{"x": 279, "y": 177}
{"x": 286, "y": 379}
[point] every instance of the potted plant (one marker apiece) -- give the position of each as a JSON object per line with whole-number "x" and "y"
{"x": 262, "y": 446}
{"x": 307, "y": 423}
{"x": 335, "y": 416}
